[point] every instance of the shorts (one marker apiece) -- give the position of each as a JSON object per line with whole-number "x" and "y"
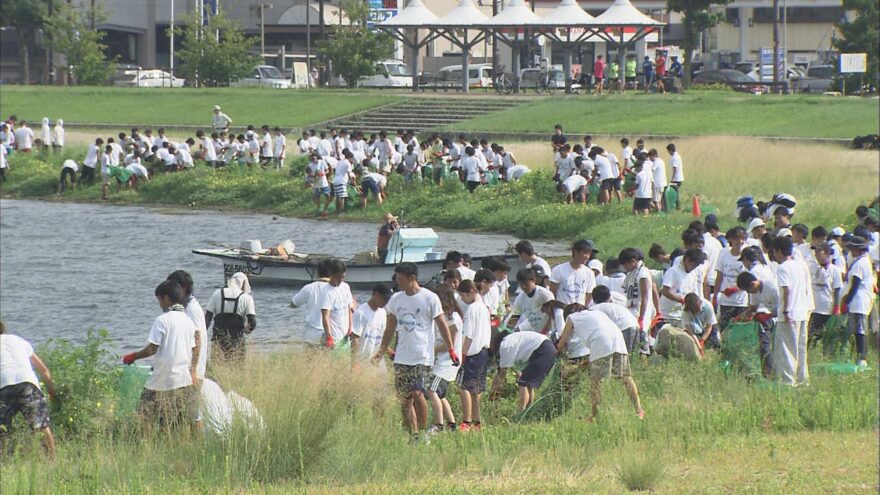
{"x": 856, "y": 324}
{"x": 320, "y": 191}
{"x": 539, "y": 365}
{"x": 472, "y": 376}
{"x": 27, "y": 399}
{"x": 472, "y": 185}
{"x": 617, "y": 184}
{"x": 105, "y": 179}
{"x": 438, "y": 173}
{"x": 658, "y": 194}
{"x": 616, "y": 365}
{"x": 370, "y": 185}
{"x": 410, "y": 378}
{"x": 340, "y": 190}
{"x": 438, "y": 386}
{"x": 607, "y": 185}
{"x": 171, "y": 408}
{"x": 641, "y": 203}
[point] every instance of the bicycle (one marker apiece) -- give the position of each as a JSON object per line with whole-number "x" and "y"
{"x": 545, "y": 84}
{"x": 502, "y": 85}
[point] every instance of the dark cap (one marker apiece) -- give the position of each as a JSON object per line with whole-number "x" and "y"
{"x": 751, "y": 253}
{"x": 539, "y": 272}
{"x": 857, "y": 242}
{"x": 585, "y": 245}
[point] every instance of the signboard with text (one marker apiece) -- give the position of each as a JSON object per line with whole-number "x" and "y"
{"x": 853, "y": 63}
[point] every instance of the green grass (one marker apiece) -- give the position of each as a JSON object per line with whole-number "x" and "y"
{"x": 697, "y": 113}
{"x": 181, "y": 106}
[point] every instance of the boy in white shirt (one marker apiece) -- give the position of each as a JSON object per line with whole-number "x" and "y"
{"x": 531, "y": 352}
{"x": 477, "y": 333}
{"x": 795, "y": 306}
{"x": 309, "y": 297}
{"x": 564, "y": 163}
{"x": 69, "y": 168}
{"x": 58, "y": 136}
{"x": 574, "y": 188}
{"x": 337, "y": 305}
{"x": 280, "y": 147}
{"x": 418, "y": 315}
{"x": 677, "y": 167}
{"x": 266, "y": 146}
{"x": 573, "y": 282}
{"x": 444, "y": 371}
{"x": 24, "y": 138}
{"x": 763, "y": 305}
{"x": 528, "y": 314}
{"x": 341, "y": 179}
{"x": 644, "y": 193}
{"x": 827, "y": 282}
{"x": 625, "y": 321}
{"x": 472, "y": 169}
{"x": 658, "y": 168}
{"x": 368, "y": 326}
{"x": 91, "y": 162}
{"x": 317, "y": 171}
{"x": 678, "y": 281}
{"x": 859, "y": 297}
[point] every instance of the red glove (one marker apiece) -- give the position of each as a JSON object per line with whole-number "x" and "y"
{"x": 836, "y": 310}
{"x": 844, "y": 308}
{"x": 763, "y": 318}
{"x": 329, "y": 343}
{"x": 128, "y": 358}
{"x": 454, "y": 356}
{"x": 730, "y": 291}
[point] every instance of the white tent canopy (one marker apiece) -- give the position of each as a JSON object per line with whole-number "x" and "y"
{"x": 414, "y": 15}
{"x": 516, "y": 14}
{"x": 464, "y": 15}
{"x": 623, "y": 13}
{"x": 569, "y": 14}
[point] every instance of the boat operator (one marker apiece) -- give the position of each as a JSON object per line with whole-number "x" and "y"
{"x": 385, "y": 232}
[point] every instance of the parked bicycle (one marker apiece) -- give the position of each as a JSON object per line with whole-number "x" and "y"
{"x": 545, "y": 84}
{"x": 502, "y": 84}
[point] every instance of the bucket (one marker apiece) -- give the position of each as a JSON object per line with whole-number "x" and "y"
{"x": 131, "y": 385}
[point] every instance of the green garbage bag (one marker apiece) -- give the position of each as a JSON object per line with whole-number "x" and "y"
{"x": 131, "y": 385}
{"x": 629, "y": 182}
{"x": 671, "y": 199}
{"x": 835, "y": 344}
{"x": 593, "y": 190}
{"x": 740, "y": 346}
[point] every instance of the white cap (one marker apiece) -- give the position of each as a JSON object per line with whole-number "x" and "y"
{"x": 595, "y": 265}
{"x": 838, "y": 232}
{"x": 784, "y": 232}
{"x": 216, "y": 108}
{"x": 756, "y": 222}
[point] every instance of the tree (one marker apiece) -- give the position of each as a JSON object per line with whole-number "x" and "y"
{"x": 26, "y": 16}
{"x": 861, "y": 35}
{"x": 354, "y": 48}
{"x": 70, "y": 33}
{"x": 214, "y": 54}
{"x": 696, "y": 18}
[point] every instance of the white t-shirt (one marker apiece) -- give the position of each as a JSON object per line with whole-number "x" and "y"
{"x": 626, "y": 153}
{"x": 477, "y": 326}
{"x": 826, "y": 280}
{"x": 700, "y": 321}
{"x": 573, "y": 285}
{"x": 369, "y": 325}
{"x": 565, "y": 166}
{"x": 309, "y": 298}
{"x": 730, "y": 267}
{"x": 15, "y": 361}
{"x": 644, "y": 184}
{"x": 517, "y": 348}
{"x": 3, "y": 163}
{"x": 472, "y": 168}
{"x": 341, "y": 172}
{"x": 415, "y": 326}
{"x": 615, "y": 166}
{"x": 603, "y": 168}
{"x": 58, "y": 136}
{"x": 184, "y": 159}
{"x": 24, "y": 137}
{"x": 539, "y": 261}
{"x": 91, "y": 156}
{"x": 795, "y": 275}
{"x": 677, "y": 167}
{"x": 466, "y": 273}
{"x": 67, "y": 163}
{"x": 681, "y": 283}
{"x": 337, "y": 300}
{"x": 137, "y": 169}
{"x": 115, "y": 153}
{"x": 618, "y": 314}
{"x": 443, "y": 363}
{"x": 598, "y": 333}
{"x": 659, "y": 170}
{"x": 280, "y": 145}
{"x": 105, "y": 164}
{"x": 174, "y": 333}
{"x": 210, "y": 152}
{"x": 379, "y": 179}
{"x": 712, "y": 248}
{"x": 266, "y": 145}
{"x": 197, "y": 315}
{"x": 861, "y": 267}
{"x": 531, "y": 317}
{"x": 573, "y": 183}
{"x": 319, "y": 172}
{"x": 632, "y": 290}
{"x": 517, "y": 171}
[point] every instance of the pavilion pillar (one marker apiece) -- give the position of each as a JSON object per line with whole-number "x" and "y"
{"x": 414, "y": 63}
{"x": 566, "y": 66}
{"x": 514, "y": 63}
{"x": 465, "y": 62}
{"x": 621, "y": 62}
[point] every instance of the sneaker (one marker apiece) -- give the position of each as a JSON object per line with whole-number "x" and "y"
{"x": 861, "y": 363}
{"x": 434, "y": 429}
{"x": 464, "y": 427}
{"x": 477, "y": 427}
{"x": 414, "y": 439}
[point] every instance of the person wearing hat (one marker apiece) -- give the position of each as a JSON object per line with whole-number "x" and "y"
{"x": 835, "y": 240}
{"x": 859, "y": 299}
{"x": 220, "y": 121}
{"x": 613, "y": 278}
{"x": 713, "y": 229}
{"x": 757, "y": 228}
{"x": 795, "y": 306}
{"x": 573, "y": 282}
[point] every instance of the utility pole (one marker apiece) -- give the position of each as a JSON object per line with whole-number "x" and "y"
{"x": 308, "y": 44}
{"x": 775, "y": 44}
{"x": 171, "y": 41}
{"x": 50, "y": 69}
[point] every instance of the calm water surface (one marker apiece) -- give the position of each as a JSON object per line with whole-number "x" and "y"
{"x": 66, "y": 268}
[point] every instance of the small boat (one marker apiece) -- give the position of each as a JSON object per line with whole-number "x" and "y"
{"x": 282, "y": 265}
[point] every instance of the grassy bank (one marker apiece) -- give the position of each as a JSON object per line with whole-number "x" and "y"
{"x": 695, "y": 113}
{"x": 182, "y": 106}
{"x": 329, "y": 430}
{"x": 828, "y": 181}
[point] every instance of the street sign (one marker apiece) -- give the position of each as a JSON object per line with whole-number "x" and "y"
{"x": 853, "y": 63}
{"x": 377, "y": 16}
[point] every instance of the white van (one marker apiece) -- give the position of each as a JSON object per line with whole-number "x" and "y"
{"x": 264, "y": 76}
{"x": 389, "y": 74}
{"x": 479, "y": 75}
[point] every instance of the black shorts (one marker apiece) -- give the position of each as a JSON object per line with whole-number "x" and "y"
{"x": 472, "y": 376}
{"x": 410, "y": 378}
{"x": 540, "y": 363}
{"x": 641, "y": 203}
{"x": 617, "y": 183}
{"x": 607, "y": 185}
{"x": 472, "y": 185}
{"x": 27, "y": 399}
{"x": 438, "y": 386}
{"x": 370, "y": 186}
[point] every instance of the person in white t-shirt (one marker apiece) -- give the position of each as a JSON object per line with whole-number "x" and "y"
{"x": 341, "y": 178}
{"x": 68, "y": 168}
{"x": 564, "y": 163}
{"x": 415, "y": 315}
{"x": 169, "y": 398}
{"x": 574, "y": 188}
{"x": 58, "y": 136}
{"x": 680, "y": 280}
{"x": 473, "y": 169}
{"x": 20, "y": 389}
{"x": 309, "y": 298}
{"x": 444, "y": 371}
{"x": 763, "y": 305}
{"x": 24, "y": 138}
{"x": 625, "y": 321}
{"x": 104, "y": 158}
{"x": 531, "y": 352}
{"x": 233, "y": 313}
{"x": 573, "y": 282}
{"x": 90, "y": 163}
{"x": 604, "y": 174}
{"x": 731, "y": 300}
{"x": 677, "y": 169}
{"x": 639, "y": 289}
{"x": 368, "y": 326}
{"x": 220, "y": 121}
{"x": 194, "y": 310}
{"x": 337, "y": 305}
{"x": 827, "y": 282}
{"x": 529, "y": 257}
{"x": 455, "y": 261}
{"x": 528, "y": 314}
{"x": 477, "y": 333}
{"x": 516, "y": 172}
{"x": 859, "y": 297}
{"x": 45, "y": 134}
{"x": 266, "y": 146}
{"x": 608, "y": 355}
{"x": 795, "y": 306}
{"x": 279, "y": 149}
{"x": 644, "y": 194}
{"x": 658, "y": 168}
{"x": 316, "y": 175}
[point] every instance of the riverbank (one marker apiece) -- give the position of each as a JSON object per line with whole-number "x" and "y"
{"x": 717, "y": 169}
{"x": 339, "y": 432}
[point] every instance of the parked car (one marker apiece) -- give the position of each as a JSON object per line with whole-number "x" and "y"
{"x": 264, "y": 76}
{"x": 528, "y": 79}
{"x": 766, "y": 73}
{"x": 479, "y": 75}
{"x": 148, "y": 78}
{"x": 731, "y": 77}
{"x": 389, "y": 74}
{"x": 819, "y": 79}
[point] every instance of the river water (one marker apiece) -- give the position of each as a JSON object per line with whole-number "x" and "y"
{"x": 66, "y": 268}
